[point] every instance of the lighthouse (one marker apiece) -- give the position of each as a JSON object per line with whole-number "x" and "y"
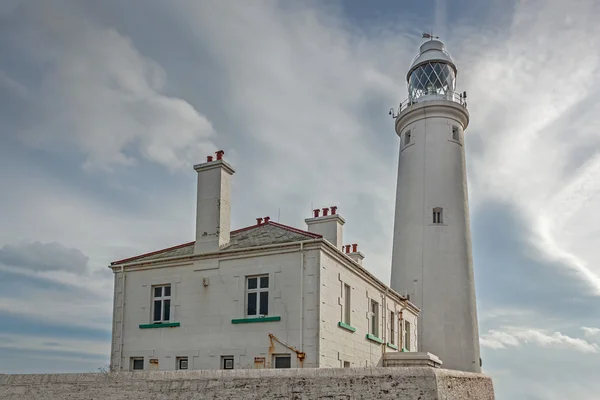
{"x": 431, "y": 260}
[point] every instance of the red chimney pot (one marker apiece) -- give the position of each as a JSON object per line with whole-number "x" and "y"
{"x": 220, "y": 154}
{"x": 354, "y": 248}
{"x": 333, "y": 210}
{"x": 316, "y": 212}
{"x": 325, "y": 211}
{"x": 209, "y": 158}
{"x": 267, "y": 219}
{"x": 258, "y": 221}
{"x": 347, "y": 248}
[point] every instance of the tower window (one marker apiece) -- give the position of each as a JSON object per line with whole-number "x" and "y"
{"x": 438, "y": 216}
{"x": 455, "y": 133}
{"x": 407, "y": 137}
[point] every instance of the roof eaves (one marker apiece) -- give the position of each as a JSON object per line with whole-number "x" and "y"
{"x": 126, "y": 260}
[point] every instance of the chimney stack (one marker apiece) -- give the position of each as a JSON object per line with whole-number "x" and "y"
{"x": 355, "y": 254}
{"x": 329, "y": 226}
{"x": 267, "y": 219}
{"x": 213, "y": 204}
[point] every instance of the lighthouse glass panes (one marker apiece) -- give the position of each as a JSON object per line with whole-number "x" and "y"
{"x": 257, "y": 295}
{"x": 431, "y": 78}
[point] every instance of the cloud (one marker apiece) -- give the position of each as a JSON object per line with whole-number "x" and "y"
{"x": 515, "y": 337}
{"x": 529, "y": 130}
{"x": 590, "y": 332}
{"x": 39, "y": 256}
{"x": 102, "y": 96}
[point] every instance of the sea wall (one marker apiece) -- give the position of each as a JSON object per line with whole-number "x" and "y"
{"x": 424, "y": 383}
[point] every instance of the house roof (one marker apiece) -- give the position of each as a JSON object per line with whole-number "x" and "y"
{"x": 251, "y": 236}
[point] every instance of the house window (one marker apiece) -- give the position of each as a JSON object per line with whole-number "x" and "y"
{"x": 182, "y": 363}
{"x": 437, "y": 215}
{"x": 137, "y": 363}
{"x": 227, "y": 362}
{"x": 374, "y": 318}
{"x": 407, "y": 137}
{"x": 346, "y": 364}
{"x": 161, "y": 303}
{"x": 455, "y": 133}
{"x": 257, "y": 295}
{"x": 347, "y": 307}
{"x": 407, "y": 335}
{"x": 283, "y": 361}
{"x": 392, "y": 330}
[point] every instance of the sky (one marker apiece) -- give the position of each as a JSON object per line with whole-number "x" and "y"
{"x": 106, "y": 106}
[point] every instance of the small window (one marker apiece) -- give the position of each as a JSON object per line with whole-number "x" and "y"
{"x": 182, "y": 363}
{"x": 227, "y": 362}
{"x": 347, "y": 305}
{"x": 346, "y": 364}
{"x": 407, "y": 335}
{"x": 257, "y": 295}
{"x": 407, "y": 137}
{"x": 161, "y": 303}
{"x": 374, "y": 318}
{"x": 137, "y": 363}
{"x": 392, "y": 330}
{"x": 283, "y": 361}
{"x": 455, "y": 133}
{"x": 438, "y": 216}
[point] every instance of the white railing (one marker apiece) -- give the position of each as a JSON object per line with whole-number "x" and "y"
{"x": 456, "y": 97}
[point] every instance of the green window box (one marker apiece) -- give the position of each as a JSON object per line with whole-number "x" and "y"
{"x": 161, "y": 325}
{"x": 346, "y": 327}
{"x": 374, "y": 338}
{"x": 253, "y": 320}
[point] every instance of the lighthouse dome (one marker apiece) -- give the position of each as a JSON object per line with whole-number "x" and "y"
{"x": 432, "y": 73}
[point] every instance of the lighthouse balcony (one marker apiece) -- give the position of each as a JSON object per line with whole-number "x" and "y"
{"x": 456, "y": 97}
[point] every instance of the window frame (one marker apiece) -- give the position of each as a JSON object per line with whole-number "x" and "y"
{"x": 282, "y": 356}
{"x": 347, "y": 304}
{"x": 346, "y": 364}
{"x": 407, "y": 137}
{"x": 132, "y": 363}
{"x": 258, "y": 290}
{"x": 180, "y": 360}
{"x": 225, "y": 360}
{"x": 162, "y": 299}
{"x": 406, "y": 335}
{"x": 455, "y": 133}
{"x": 438, "y": 215}
{"x": 392, "y": 330}
{"x": 374, "y": 328}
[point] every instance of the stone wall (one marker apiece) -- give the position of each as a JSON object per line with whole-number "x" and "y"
{"x": 422, "y": 383}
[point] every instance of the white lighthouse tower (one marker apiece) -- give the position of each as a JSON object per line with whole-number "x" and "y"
{"x": 432, "y": 260}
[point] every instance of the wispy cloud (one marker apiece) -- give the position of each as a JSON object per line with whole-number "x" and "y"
{"x": 590, "y": 332}
{"x": 515, "y": 337}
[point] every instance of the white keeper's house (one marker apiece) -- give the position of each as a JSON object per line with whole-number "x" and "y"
{"x": 263, "y": 296}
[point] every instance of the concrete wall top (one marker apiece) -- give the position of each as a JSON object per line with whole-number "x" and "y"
{"x": 381, "y": 383}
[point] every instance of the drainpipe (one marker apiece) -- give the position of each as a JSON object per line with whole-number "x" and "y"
{"x": 122, "y": 318}
{"x": 302, "y": 297}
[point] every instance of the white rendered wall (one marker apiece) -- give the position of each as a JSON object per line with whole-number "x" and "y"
{"x": 339, "y": 344}
{"x": 205, "y": 313}
{"x": 433, "y": 263}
